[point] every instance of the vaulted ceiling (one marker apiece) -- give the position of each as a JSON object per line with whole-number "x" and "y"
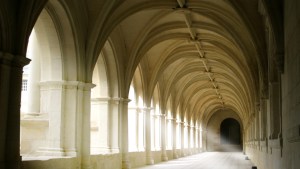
{"x": 204, "y": 55}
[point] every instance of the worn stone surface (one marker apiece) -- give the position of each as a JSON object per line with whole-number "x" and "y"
{"x": 208, "y": 160}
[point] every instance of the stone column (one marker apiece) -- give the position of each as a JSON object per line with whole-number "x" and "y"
{"x": 182, "y": 139}
{"x": 53, "y": 94}
{"x": 263, "y": 119}
{"x": 100, "y": 120}
{"x": 34, "y": 77}
{"x": 10, "y": 88}
{"x": 195, "y": 139}
{"x": 72, "y": 100}
{"x": 188, "y": 127}
{"x": 114, "y": 125}
{"x": 140, "y": 138}
{"x": 204, "y": 139}
{"x": 149, "y": 158}
{"x": 86, "y": 126}
{"x": 124, "y": 131}
{"x": 275, "y": 110}
{"x": 164, "y": 156}
{"x": 137, "y": 111}
{"x": 174, "y": 126}
{"x": 199, "y": 139}
{"x": 257, "y": 127}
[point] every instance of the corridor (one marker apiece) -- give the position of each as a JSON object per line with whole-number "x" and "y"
{"x": 208, "y": 160}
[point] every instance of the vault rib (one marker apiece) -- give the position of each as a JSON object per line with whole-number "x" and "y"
{"x": 194, "y": 39}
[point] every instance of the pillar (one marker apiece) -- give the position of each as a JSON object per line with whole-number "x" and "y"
{"x": 114, "y": 125}
{"x": 204, "y": 139}
{"x": 137, "y": 111}
{"x": 149, "y": 158}
{"x": 275, "y": 110}
{"x": 195, "y": 139}
{"x": 124, "y": 133}
{"x": 86, "y": 126}
{"x": 100, "y": 119}
{"x": 34, "y": 77}
{"x": 188, "y": 127}
{"x": 64, "y": 106}
{"x": 11, "y": 69}
{"x": 72, "y": 101}
{"x": 174, "y": 124}
{"x": 53, "y": 94}
{"x": 182, "y": 139}
{"x": 199, "y": 139}
{"x": 141, "y": 130}
{"x": 164, "y": 156}
{"x": 263, "y": 119}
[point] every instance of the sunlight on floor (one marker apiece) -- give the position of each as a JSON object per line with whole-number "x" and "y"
{"x": 208, "y": 160}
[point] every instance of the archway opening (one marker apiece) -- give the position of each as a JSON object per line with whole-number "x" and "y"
{"x": 230, "y": 132}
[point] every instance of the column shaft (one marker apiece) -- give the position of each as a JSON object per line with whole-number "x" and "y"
{"x": 10, "y": 88}
{"x": 188, "y": 127}
{"x": 114, "y": 126}
{"x": 174, "y": 126}
{"x": 149, "y": 159}
{"x": 86, "y": 127}
{"x": 34, "y": 77}
{"x": 182, "y": 139}
{"x": 124, "y": 131}
{"x": 164, "y": 156}
{"x": 275, "y": 110}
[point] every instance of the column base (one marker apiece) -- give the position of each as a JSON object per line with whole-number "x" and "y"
{"x": 149, "y": 160}
{"x": 164, "y": 157}
{"x": 126, "y": 164}
{"x": 86, "y": 166}
{"x": 175, "y": 155}
{"x": 183, "y": 154}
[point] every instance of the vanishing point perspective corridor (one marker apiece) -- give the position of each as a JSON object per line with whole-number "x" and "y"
{"x": 149, "y": 84}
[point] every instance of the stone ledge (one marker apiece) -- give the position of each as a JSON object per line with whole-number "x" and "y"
{"x": 35, "y": 123}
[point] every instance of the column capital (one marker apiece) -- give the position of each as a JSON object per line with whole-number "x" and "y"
{"x": 146, "y": 109}
{"x": 171, "y": 119}
{"x": 86, "y": 86}
{"x": 179, "y": 122}
{"x": 118, "y": 100}
{"x": 66, "y": 85}
{"x": 101, "y": 99}
{"x": 125, "y": 100}
{"x": 13, "y": 60}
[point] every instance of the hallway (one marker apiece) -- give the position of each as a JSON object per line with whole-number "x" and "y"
{"x": 208, "y": 160}
{"x": 121, "y": 84}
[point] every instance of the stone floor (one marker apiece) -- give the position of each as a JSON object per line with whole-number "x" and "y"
{"x": 208, "y": 160}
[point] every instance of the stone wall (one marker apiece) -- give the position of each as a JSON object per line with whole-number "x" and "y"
{"x": 291, "y": 86}
{"x": 103, "y": 161}
{"x": 213, "y": 129}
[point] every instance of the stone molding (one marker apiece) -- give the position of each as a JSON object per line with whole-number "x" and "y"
{"x": 13, "y": 60}
{"x": 101, "y": 99}
{"x": 59, "y": 85}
